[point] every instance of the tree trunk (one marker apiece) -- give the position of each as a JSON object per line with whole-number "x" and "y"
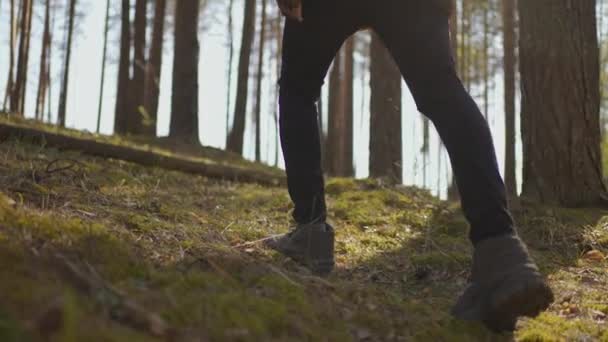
{"x": 279, "y": 43}
{"x": 560, "y": 103}
{"x": 339, "y": 142}
{"x": 509, "y": 84}
{"x": 135, "y": 119}
{"x": 19, "y": 89}
{"x": 122, "y": 96}
{"x": 458, "y": 52}
{"x": 347, "y": 155}
{"x": 486, "y": 59}
{"x": 258, "y": 100}
{"x": 63, "y": 97}
{"x": 103, "y": 65}
{"x": 385, "y": 106}
{"x": 154, "y": 67}
{"x": 46, "y": 44}
{"x": 230, "y": 30}
{"x": 184, "y": 100}
{"x": 335, "y": 109}
{"x": 11, "y": 59}
{"x": 236, "y": 136}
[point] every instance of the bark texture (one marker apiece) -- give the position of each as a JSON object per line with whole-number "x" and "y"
{"x": 184, "y": 100}
{"x": 339, "y": 161}
{"x": 19, "y": 89}
{"x": 122, "y": 96}
{"x": 560, "y": 104}
{"x": 508, "y": 16}
{"x": 63, "y": 96}
{"x": 237, "y": 133}
{"x": 385, "y": 106}
{"x": 154, "y": 67}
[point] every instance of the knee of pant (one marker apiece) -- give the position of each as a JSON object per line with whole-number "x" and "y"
{"x": 438, "y": 95}
{"x": 294, "y": 94}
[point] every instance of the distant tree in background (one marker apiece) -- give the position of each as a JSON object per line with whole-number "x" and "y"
{"x": 122, "y": 89}
{"x": 235, "y": 138}
{"x": 135, "y": 119}
{"x": 560, "y": 102}
{"x": 44, "y": 71}
{"x": 258, "y": 91}
{"x": 12, "y": 31}
{"x": 386, "y": 153}
{"x": 339, "y": 159}
{"x": 184, "y": 99}
{"x": 509, "y": 62}
{"x": 104, "y": 55}
{"x": 154, "y": 67}
{"x": 63, "y": 96}
{"x": 18, "y": 92}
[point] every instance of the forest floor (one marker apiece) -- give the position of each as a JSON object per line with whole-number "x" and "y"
{"x": 101, "y": 249}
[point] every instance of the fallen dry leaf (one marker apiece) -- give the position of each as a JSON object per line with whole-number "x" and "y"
{"x": 594, "y": 255}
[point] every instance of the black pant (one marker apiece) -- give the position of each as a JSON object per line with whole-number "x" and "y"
{"x": 416, "y": 33}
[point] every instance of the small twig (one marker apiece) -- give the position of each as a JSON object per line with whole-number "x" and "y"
{"x": 50, "y": 169}
{"x": 226, "y": 228}
{"x": 251, "y": 243}
{"x": 277, "y": 271}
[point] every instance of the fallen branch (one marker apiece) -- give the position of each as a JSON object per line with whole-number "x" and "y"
{"x": 119, "y": 308}
{"x": 140, "y": 156}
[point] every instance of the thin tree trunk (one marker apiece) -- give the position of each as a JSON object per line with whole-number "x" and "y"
{"x": 154, "y": 67}
{"x": 560, "y": 103}
{"x": 236, "y": 136}
{"x": 184, "y": 100}
{"x": 135, "y": 119}
{"x": 11, "y": 63}
{"x": 335, "y": 108}
{"x": 348, "y": 166}
{"x": 103, "y": 65}
{"x": 258, "y": 100}
{"x": 46, "y": 36}
{"x": 19, "y": 89}
{"x": 279, "y": 41}
{"x": 486, "y": 59}
{"x": 230, "y": 62}
{"x": 63, "y": 97}
{"x": 458, "y": 51}
{"x": 49, "y": 87}
{"x": 122, "y": 96}
{"x": 509, "y": 84}
{"x": 385, "y": 123}
{"x": 339, "y": 142}
{"x": 426, "y": 148}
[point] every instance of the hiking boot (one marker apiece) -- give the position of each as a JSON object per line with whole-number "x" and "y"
{"x": 505, "y": 285}
{"x": 311, "y": 245}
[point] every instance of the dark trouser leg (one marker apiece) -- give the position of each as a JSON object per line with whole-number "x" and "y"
{"x": 308, "y": 50}
{"x": 421, "y": 46}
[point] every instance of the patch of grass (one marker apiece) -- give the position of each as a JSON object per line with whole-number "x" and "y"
{"x": 177, "y": 245}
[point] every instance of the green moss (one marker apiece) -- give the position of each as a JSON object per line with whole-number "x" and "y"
{"x": 549, "y": 327}
{"x": 179, "y": 246}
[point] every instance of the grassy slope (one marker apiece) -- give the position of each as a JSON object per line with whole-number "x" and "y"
{"x": 177, "y": 245}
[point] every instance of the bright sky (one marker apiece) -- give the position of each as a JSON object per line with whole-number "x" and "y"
{"x": 85, "y": 78}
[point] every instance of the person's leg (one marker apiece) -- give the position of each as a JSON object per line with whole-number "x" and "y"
{"x": 418, "y": 37}
{"x": 309, "y": 47}
{"x": 308, "y": 50}
{"x": 505, "y": 282}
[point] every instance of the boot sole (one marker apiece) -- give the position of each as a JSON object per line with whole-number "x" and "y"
{"x": 528, "y": 297}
